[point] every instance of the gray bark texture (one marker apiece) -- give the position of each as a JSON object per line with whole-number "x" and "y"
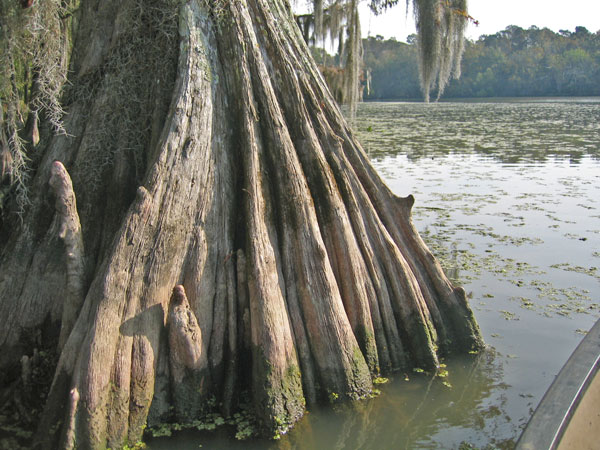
{"x": 236, "y": 237}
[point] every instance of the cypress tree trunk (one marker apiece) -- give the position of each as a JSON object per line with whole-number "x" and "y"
{"x": 210, "y": 226}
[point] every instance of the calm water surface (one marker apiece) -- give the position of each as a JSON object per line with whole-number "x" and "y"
{"x": 508, "y": 197}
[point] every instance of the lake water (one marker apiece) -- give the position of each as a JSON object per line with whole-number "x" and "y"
{"x": 508, "y": 197}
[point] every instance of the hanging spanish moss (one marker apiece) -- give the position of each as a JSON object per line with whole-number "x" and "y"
{"x": 34, "y": 49}
{"x": 337, "y": 21}
{"x": 353, "y": 60}
{"x": 440, "y": 35}
{"x": 318, "y": 8}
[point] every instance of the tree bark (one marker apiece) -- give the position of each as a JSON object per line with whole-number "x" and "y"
{"x": 236, "y": 236}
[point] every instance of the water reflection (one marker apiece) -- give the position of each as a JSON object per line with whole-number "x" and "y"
{"x": 415, "y": 410}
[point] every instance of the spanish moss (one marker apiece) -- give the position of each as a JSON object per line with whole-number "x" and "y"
{"x": 440, "y": 26}
{"x": 337, "y": 21}
{"x": 440, "y": 36}
{"x": 34, "y": 49}
{"x": 354, "y": 60}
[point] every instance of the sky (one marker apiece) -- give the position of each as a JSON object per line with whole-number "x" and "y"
{"x": 494, "y": 16}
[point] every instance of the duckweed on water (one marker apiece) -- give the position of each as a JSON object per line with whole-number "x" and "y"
{"x": 575, "y": 237}
{"x": 591, "y": 271}
{"x": 242, "y": 421}
{"x": 525, "y": 302}
{"x": 487, "y": 231}
{"x": 508, "y": 315}
{"x": 585, "y": 206}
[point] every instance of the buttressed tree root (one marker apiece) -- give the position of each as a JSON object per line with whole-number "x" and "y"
{"x": 242, "y": 243}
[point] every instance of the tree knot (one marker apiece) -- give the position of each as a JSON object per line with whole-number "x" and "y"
{"x": 178, "y": 296}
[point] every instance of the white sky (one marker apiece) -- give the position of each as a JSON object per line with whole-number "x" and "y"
{"x": 493, "y": 16}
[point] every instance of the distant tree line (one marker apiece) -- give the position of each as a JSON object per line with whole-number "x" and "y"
{"x": 514, "y": 62}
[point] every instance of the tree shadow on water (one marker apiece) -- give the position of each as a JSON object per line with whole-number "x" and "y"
{"x": 418, "y": 410}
